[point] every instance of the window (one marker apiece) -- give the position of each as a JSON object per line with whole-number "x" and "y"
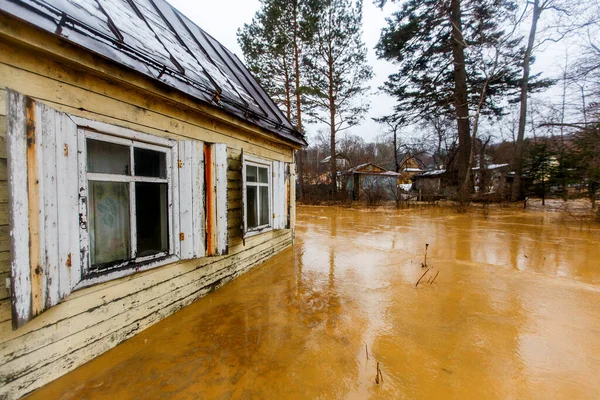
{"x": 258, "y": 188}
{"x": 128, "y": 193}
{"x": 265, "y": 194}
{"x": 92, "y": 202}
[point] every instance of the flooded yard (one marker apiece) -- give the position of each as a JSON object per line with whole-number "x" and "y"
{"x": 513, "y": 313}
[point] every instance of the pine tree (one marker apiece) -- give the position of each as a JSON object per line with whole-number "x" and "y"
{"x": 268, "y": 52}
{"x": 272, "y": 45}
{"x": 337, "y": 68}
{"x": 456, "y": 58}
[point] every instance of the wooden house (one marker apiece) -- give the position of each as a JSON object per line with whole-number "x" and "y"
{"x": 141, "y": 166}
{"x": 409, "y": 167}
{"x": 370, "y": 177}
{"x": 430, "y": 182}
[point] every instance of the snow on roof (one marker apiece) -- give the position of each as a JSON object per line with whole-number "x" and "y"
{"x": 153, "y": 38}
{"x": 433, "y": 173}
{"x": 356, "y": 169}
{"x": 491, "y": 166}
{"x": 338, "y": 156}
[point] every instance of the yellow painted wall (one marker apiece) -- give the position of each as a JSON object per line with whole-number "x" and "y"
{"x": 93, "y": 320}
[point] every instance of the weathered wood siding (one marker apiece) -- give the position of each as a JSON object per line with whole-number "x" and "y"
{"x": 4, "y": 228}
{"x": 92, "y": 320}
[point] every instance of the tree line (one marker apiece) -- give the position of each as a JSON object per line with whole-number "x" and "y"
{"x": 309, "y": 55}
{"x": 463, "y": 81}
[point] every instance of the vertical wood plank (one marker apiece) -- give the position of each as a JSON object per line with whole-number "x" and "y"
{"x": 46, "y": 136}
{"x": 69, "y": 266}
{"x": 173, "y": 179}
{"x": 210, "y": 199}
{"x": 19, "y": 208}
{"x": 220, "y": 156}
{"x": 282, "y": 196}
{"x": 36, "y": 219}
{"x": 84, "y": 246}
{"x": 276, "y": 194}
{"x": 292, "y": 196}
{"x": 198, "y": 199}
{"x": 244, "y": 211}
{"x": 287, "y": 195}
{"x": 185, "y": 200}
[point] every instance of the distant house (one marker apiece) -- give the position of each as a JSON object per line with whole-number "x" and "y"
{"x": 409, "y": 167}
{"x": 496, "y": 177}
{"x": 341, "y": 161}
{"x": 141, "y": 167}
{"x": 371, "y": 177}
{"x": 429, "y": 182}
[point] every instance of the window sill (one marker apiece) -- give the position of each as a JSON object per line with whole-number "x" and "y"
{"x": 101, "y": 277}
{"x": 257, "y": 231}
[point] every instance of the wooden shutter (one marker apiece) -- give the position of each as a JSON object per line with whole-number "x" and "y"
{"x": 44, "y": 202}
{"x": 292, "y": 196}
{"x": 215, "y": 156}
{"x": 288, "y": 191}
{"x": 279, "y": 195}
{"x": 243, "y": 224}
{"x": 191, "y": 199}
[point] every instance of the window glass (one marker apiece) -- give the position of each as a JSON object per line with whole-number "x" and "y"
{"x": 251, "y": 173}
{"x": 108, "y": 221}
{"x": 264, "y": 205}
{"x": 263, "y": 175}
{"x": 107, "y": 158}
{"x": 251, "y": 207}
{"x": 151, "y": 218}
{"x": 149, "y": 163}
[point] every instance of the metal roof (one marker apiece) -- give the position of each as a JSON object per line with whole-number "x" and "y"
{"x": 356, "y": 170}
{"x": 153, "y": 38}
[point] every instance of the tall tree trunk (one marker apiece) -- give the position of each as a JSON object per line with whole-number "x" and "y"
{"x": 288, "y": 96}
{"x": 517, "y": 184}
{"x": 396, "y": 149}
{"x": 482, "y": 167}
{"x": 461, "y": 104}
{"x": 298, "y": 100}
{"x": 332, "y": 161}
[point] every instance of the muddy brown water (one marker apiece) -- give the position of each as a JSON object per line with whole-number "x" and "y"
{"x": 514, "y": 313}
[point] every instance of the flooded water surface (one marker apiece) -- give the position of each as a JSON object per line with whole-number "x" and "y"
{"x": 514, "y": 312}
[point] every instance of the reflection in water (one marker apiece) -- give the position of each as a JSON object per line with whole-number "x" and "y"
{"x": 513, "y": 314}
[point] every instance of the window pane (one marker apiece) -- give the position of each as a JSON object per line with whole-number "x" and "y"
{"x": 107, "y": 158}
{"x": 251, "y": 217}
{"x": 109, "y": 222}
{"x": 151, "y": 218}
{"x": 263, "y": 175}
{"x": 149, "y": 163}
{"x": 251, "y": 173}
{"x": 264, "y": 205}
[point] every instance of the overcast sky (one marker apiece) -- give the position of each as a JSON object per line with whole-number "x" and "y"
{"x": 222, "y": 18}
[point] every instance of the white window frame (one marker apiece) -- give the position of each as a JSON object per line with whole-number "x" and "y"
{"x": 260, "y": 163}
{"x": 88, "y": 129}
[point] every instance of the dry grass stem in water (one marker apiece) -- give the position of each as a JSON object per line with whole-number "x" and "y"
{"x": 424, "y": 264}
{"x": 433, "y": 280}
{"x": 379, "y": 376}
{"x": 425, "y": 273}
